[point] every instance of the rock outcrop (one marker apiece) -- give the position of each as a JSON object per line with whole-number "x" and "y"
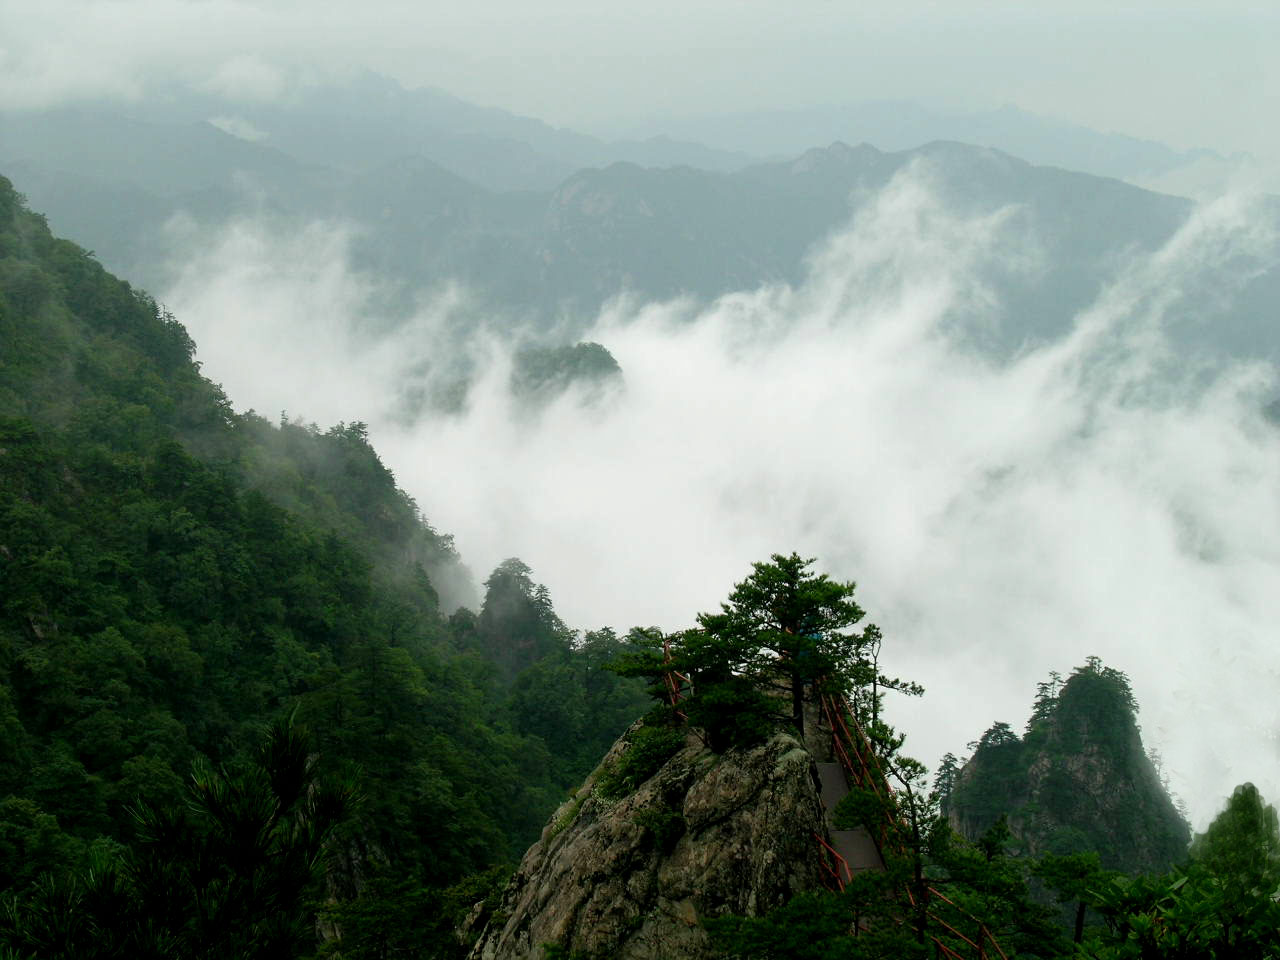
{"x": 1079, "y": 779}
{"x": 633, "y": 878}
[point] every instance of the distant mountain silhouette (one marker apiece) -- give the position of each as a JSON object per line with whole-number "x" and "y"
{"x": 371, "y": 120}
{"x": 902, "y": 125}
{"x": 555, "y": 255}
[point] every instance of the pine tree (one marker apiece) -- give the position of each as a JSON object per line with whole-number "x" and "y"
{"x": 788, "y": 623}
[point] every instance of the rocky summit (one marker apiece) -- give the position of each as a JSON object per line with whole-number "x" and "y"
{"x": 632, "y": 878}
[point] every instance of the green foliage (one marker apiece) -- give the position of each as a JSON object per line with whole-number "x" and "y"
{"x": 384, "y": 921}
{"x": 230, "y": 871}
{"x": 1073, "y": 878}
{"x": 571, "y": 699}
{"x": 982, "y": 880}
{"x": 783, "y": 618}
{"x": 178, "y": 576}
{"x": 395, "y": 917}
{"x": 1096, "y": 707}
{"x": 1078, "y": 780}
{"x": 935, "y": 884}
{"x": 540, "y": 373}
{"x": 999, "y": 788}
{"x": 643, "y": 657}
{"x": 811, "y": 926}
{"x": 648, "y": 748}
{"x": 995, "y": 839}
{"x": 944, "y": 780}
{"x": 517, "y": 624}
{"x": 664, "y": 826}
{"x": 1183, "y": 915}
{"x": 781, "y": 628}
{"x": 861, "y": 807}
{"x": 734, "y": 712}
{"x": 857, "y": 924}
{"x": 31, "y": 841}
{"x": 571, "y": 814}
{"x": 1242, "y": 846}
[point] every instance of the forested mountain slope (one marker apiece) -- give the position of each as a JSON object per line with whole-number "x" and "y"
{"x": 1078, "y": 779}
{"x": 178, "y": 576}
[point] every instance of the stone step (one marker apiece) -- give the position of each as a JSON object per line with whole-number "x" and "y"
{"x": 856, "y": 846}
{"x": 858, "y": 849}
{"x": 834, "y": 785}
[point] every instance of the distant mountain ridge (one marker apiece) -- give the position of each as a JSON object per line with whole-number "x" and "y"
{"x": 362, "y": 122}
{"x": 372, "y": 120}
{"x": 894, "y": 125}
{"x": 654, "y": 225}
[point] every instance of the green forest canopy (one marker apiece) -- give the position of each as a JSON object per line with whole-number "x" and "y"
{"x": 178, "y": 577}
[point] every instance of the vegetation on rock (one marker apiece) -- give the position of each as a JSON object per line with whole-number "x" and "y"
{"x": 1078, "y": 780}
{"x": 782, "y": 630}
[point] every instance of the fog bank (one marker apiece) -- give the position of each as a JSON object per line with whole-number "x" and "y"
{"x": 1097, "y": 495}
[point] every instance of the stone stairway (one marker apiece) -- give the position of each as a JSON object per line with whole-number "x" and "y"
{"x": 856, "y": 846}
{"x": 859, "y": 849}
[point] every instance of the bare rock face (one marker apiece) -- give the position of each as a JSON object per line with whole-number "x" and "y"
{"x": 631, "y": 879}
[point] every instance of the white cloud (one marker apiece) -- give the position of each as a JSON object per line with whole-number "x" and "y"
{"x": 54, "y": 71}
{"x": 65, "y": 51}
{"x": 239, "y": 127}
{"x": 1210, "y": 177}
{"x": 247, "y": 79}
{"x": 1099, "y": 495}
{"x": 284, "y": 323}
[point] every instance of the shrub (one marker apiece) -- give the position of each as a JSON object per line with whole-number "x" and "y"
{"x": 664, "y": 826}
{"x": 860, "y": 808}
{"x": 734, "y": 713}
{"x": 648, "y": 748}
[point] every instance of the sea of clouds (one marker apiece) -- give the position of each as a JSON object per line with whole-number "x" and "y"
{"x": 1104, "y": 494}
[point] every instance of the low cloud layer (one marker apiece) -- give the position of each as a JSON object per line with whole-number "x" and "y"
{"x": 1099, "y": 495}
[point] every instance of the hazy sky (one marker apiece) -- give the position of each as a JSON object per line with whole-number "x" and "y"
{"x": 1187, "y": 73}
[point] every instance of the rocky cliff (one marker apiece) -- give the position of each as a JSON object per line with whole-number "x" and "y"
{"x": 632, "y": 877}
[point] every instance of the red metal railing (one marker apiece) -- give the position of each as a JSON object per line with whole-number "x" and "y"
{"x": 984, "y": 935}
{"x": 674, "y": 680}
{"x": 857, "y": 756}
{"x": 867, "y": 772}
{"x": 841, "y": 864}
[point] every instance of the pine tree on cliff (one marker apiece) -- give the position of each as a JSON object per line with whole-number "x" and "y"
{"x": 781, "y": 628}
{"x": 783, "y": 621}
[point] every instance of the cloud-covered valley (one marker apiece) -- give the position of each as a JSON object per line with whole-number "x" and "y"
{"x": 1100, "y": 494}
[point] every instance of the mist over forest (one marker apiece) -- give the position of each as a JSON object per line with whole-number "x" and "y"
{"x": 890, "y": 412}
{"x": 460, "y": 409}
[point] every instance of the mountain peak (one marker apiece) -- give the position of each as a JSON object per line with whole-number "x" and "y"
{"x": 838, "y": 154}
